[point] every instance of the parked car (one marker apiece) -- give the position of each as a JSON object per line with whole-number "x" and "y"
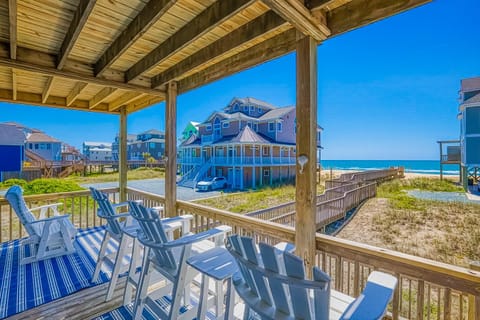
{"x": 212, "y": 184}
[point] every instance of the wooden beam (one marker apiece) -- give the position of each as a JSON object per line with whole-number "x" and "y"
{"x": 319, "y": 4}
{"x": 76, "y": 91}
{"x": 122, "y": 155}
{"x": 123, "y": 100}
{"x": 14, "y": 84}
{"x": 142, "y": 103}
{"x": 100, "y": 97}
{"x": 300, "y": 17}
{"x": 12, "y": 17}
{"x": 211, "y": 17}
{"x": 306, "y": 141}
{"x": 266, "y": 23}
{"x": 359, "y": 13}
{"x": 44, "y": 64}
{"x": 79, "y": 20}
{"x": 171, "y": 150}
{"x": 150, "y": 14}
{"x": 52, "y": 101}
{"x": 265, "y": 51}
{"x": 47, "y": 88}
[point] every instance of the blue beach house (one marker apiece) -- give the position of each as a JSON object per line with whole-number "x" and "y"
{"x": 469, "y": 116}
{"x": 12, "y": 153}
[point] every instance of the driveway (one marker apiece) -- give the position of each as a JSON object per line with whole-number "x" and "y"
{"x": 157, "y": 186}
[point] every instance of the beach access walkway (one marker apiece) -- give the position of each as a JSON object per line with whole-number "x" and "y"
{"x": 341, "y": 196}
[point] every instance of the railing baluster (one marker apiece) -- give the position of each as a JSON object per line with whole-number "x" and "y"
{"x": 447, "y": 312}
{"x": 420, "y": 298}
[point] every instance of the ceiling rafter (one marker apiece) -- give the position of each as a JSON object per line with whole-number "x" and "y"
{"x": 300, "y": 17}
{"x": 124, "y": 99}
{"x": 14, "y": 84}
{"x": 149, "y": 15}
{"x": 142, "y": 103}
{"x": 47, "y": 89}
{"x": 76, "y": 91}
{"x": 12, "y": 17}
{"x": 246, "y": 33}
{"x": 79, "y": 20}
{"x": 53, "y": 101}
{"x": 200, "y": 25}
{"x": 42, "y": 63}
{"x": 100, "y": 97}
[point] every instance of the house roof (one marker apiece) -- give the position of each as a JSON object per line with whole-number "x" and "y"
{"x": 470, "y": 84}
{"x": 39, "y": 136}
{"x": 97, "y": 144}
{"x": 251, "y": 101}
{"x": 474, "y": 99}
{"x": 11, "y": 135}
{"x": 152, "y": 131}
{"x": 192, "y": 140}
{"x": 247, "y": 135}
{"x": 275, "y": 113}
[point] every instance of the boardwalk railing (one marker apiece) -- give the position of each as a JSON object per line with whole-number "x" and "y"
{"x": 427, "y": 289}
{"x": 365, "y": 176}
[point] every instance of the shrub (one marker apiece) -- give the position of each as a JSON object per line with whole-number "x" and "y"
{"x": 11, "y": 182}
{"x": 40, "y": 186}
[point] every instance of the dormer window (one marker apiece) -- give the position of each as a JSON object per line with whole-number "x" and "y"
{"x": 271, "y": 126}
{"x": 259, "y": 110}
{"x": 255, "y": 127}
{"x": 226, "y": 124}
{"x": 208, "y": 127}
{"x": 252, "y": 109}
{"x": 279, "y": 127}
{"x": 245, "y": 108}
{"x": 235, "y": 107}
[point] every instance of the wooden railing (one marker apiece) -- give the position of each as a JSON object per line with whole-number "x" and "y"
{"x": 365, "y": 176}
{"x": 427, "y": 289}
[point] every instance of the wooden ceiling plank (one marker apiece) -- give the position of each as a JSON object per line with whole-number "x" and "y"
{"x": 320, "y": 4}
{"x": 100, "y": 97}
{"x": 300, "y": 17}
{"x": 76, "y": 91}
{"x": 53, "y": 101}
{"x": 246, "y": 33}
{"x": 265, "y": 51}
{"x": 208, "y": 19}
{"x": 150, "y": 14}
{"x": 47, "y": 88}
{"x": 41, "y": 63}
{"x": 12, "y": 14}
{"x": 79, "y": 20}
{"x": 359, "y": 13}
{"x": 123, "y": 100}
{"x": 141, "y": 103}
{"x": 14, "y": 84}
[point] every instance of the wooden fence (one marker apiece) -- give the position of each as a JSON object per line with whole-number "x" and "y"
{"x": 427, "y": 289}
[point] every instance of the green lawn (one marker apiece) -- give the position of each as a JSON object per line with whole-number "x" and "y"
{"x": 136, "y": 174}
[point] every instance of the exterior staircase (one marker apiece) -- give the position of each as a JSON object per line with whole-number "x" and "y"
{"x": 191, "y": 178}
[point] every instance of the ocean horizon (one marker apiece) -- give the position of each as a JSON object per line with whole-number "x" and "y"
{"x": 413, "y": 166}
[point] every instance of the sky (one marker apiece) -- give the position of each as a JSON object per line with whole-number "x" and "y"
{"x": 385, "y": 91}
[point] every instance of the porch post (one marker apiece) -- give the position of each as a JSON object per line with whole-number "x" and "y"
{"x": 306, "y": 113}
{"x": 122, "y": 155}
{"x": 171, "y": 150}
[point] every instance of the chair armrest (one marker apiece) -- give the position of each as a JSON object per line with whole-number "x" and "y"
{"x": 116, "y": 216}
{"x": 373, "y": 302}
{"x": 43, "y": 209}
{"x": 119, "y": 205}
{"x": 219, "y": 231}
{"x": 62, "y": 217}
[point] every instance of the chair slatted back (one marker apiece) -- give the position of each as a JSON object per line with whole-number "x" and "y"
{"x": 106, "y": 211}
{"x": 153, "y": 233}
{"x": 14, "y": 196}
{"x": 277, "y": 279}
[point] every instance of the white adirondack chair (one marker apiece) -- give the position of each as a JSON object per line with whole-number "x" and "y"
{"x": 124, "y": 233}
{"x": 47, "y": 237}
{"x": 168, "y": 258}
{"x": 272, "y": 284}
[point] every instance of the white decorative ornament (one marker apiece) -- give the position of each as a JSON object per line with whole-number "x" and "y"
{"x": 302, "y": 160}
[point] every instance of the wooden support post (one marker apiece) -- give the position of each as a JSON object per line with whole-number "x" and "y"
{"x": 171, "y": 150}
{"x": 441, "y": 161}
{"x": 306, "y": 141}
{"x": 122, "y": 152}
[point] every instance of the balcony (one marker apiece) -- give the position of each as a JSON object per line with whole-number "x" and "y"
{"x": 257, "y": 161}
{"x": 424, "y": 285}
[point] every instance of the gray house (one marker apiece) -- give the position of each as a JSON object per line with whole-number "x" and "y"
{"x": 151, "y": 142}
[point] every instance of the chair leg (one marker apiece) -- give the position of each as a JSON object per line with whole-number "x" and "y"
{"x": 203, "y": 299}
{"x": 230, "y": 303}
{"x": 180, "y": 283}
{"x": 132, "y": 273}
{"x": 117, "y": 266}
{"x": 142, "y": 288}
{"x": 101, "y": 256}
{"x": 218, "y": 297}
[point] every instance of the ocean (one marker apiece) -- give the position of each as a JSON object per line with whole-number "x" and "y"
{"x": 414, "y": 166}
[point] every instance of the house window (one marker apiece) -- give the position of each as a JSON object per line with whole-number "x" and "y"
{"x": 259, "y": 110}
{"x": 266, "y": 172}
{"x": 249, "y": 124}
{"x": 49, "y": 146}
{"x": 235, "y": 107}
{"x": 152, "y": 145}
{"x": 271, "y": 126}
{"x": 208, "y": 127}
{"x": 279, "y": 127}
{"x": 36, "y": 146}
{"x": 245, "y": 108}
{"x": 265, "y": 151}
{"x": 31, "y": 146}
{"x": 252, "y": 109}
{"x": 255, "y": 127}
{"x": 226, "y": 124}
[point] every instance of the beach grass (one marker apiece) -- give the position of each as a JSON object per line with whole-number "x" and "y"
{"x": 253, "y": 200}
{"x": 443, "y": 231}
{"x": 136, "y": 174}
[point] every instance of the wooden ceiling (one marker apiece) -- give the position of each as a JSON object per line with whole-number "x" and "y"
{"x": 102, "y": 55}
